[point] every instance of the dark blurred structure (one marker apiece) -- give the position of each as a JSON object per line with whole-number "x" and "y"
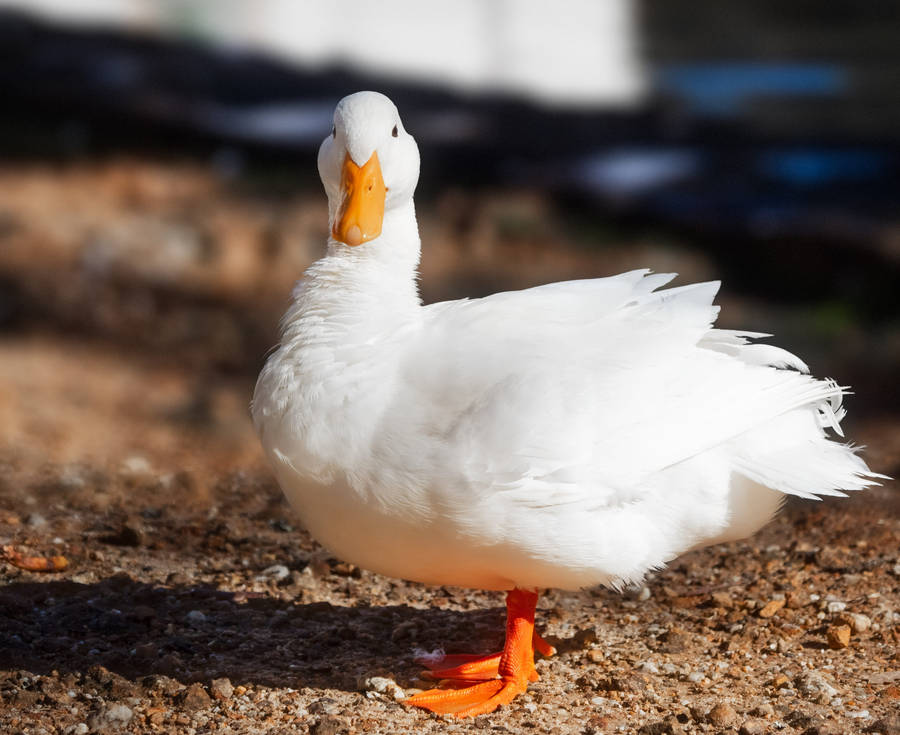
{"x": 787, "y": 117}
{"x": 810, "y": 97}
{"x": 769, "y": 137}
{"x": 801, "y": 69}
{"x": 763, "y": 119}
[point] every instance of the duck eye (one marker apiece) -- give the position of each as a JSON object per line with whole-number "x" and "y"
{"x": 394, "y": 132}
{"x": 333, "y": 132}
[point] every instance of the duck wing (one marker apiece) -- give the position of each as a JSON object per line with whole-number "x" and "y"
{"x": 585, "y": 389}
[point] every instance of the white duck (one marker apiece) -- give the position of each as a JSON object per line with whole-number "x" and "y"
{"x": 569, "y": 435}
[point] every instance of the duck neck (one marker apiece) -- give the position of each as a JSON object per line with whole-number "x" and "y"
{"x": 364, "y": 291}
{"x": 393, "y": 254}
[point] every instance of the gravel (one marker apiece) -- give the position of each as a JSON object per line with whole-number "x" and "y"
{"x": 889, "y": 725}
{"x": 199, "y": 625}
{"x": 194, "y": 601}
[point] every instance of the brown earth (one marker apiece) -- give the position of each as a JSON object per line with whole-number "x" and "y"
{"x": 194, "y": 603}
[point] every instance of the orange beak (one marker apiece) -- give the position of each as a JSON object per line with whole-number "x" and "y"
{"x": 361, "y": 214}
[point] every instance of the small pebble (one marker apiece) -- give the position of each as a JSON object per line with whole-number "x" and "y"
{"x": 118, "y": 713}
{"x": 764, "y": 710}
{"x": 783, "y": 645}
{"x": 596, "y": 655}
{"x": 585, "y": 638}
{"x": 835, "y": 606}
{"x": 383, "y": 685}
{"x": 136, "y": 465}
{"x": 838, "y": 636}
{"x": 722, "y": 599}
{"x": 195, "y": 617}
{"x": 194, "y": 698}
{"x": 278, "y": 572}
{"x": 814, "y": 686}
{"x": 324, "y": 705}
{"x": 722, "y": 715}
{"x": 36, "y": 520}
{"x": 668, "y": 726}
{"x": 329, "y": 725}
{"x": 754, "y": 727}
{"x": 771, "y": 607}
{"x": 221, "y": 689}
{"x": 113, "y": 715}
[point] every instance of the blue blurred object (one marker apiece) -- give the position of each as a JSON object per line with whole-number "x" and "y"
{"x": 808, "y": 167}
{"x": 633, "y": 171}
{"x": 723, "y": 88}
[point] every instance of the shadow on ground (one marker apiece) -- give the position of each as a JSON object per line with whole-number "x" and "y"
{"x": 201, "y": 633}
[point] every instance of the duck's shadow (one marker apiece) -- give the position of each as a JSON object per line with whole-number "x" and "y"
{"x": 201, "y": 633}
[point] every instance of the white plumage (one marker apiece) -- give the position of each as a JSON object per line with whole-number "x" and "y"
{"x": 568, "y": 435}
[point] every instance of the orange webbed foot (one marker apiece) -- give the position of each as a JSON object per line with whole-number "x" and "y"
{"x": 498, "y": 677}
{"x": 471, "y": 701}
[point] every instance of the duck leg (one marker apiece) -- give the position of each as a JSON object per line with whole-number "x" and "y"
{"x": 500, "y": 677}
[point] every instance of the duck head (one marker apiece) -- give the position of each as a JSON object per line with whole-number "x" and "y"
{"x": 369, "y": 166}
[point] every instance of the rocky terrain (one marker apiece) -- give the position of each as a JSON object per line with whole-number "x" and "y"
{"x": 136, "y": 304}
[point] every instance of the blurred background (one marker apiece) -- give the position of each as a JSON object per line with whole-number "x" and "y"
{"x": 159, "y": 195}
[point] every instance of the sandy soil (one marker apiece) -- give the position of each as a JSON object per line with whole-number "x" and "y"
{"x": 195, "y": 603}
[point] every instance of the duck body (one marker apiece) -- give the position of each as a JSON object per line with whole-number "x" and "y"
{"x": 569, "y": 435}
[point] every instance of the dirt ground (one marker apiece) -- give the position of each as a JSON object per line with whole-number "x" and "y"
{"x": 194, "y": 602}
